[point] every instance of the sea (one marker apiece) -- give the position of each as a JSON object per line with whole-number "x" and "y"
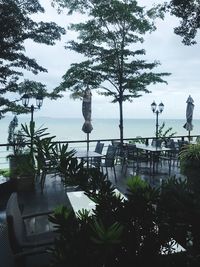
{"x": 70, "y": 129}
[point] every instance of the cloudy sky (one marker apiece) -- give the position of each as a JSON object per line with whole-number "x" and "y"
{"x": 181, "y": 61}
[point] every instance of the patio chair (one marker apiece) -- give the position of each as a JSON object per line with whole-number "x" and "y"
{"x": 99, "y": 147}
{"x": 96, "y": 161}
{"x": 134, "y": 158}
{"x": 157, "y": 142}
{"x": 171, "y": 156}
{"x": 120, "y": 153}
{"x": 22, "y": 244}
{"x": 130, "y": 157}
{"x": 109, "y": 160}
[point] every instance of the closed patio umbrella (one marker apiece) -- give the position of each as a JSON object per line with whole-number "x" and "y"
{"x": 87, "y": 112}
{"x": 189, "y": 115}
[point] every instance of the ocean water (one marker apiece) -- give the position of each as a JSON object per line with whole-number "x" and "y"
{"x": 71, "y": 129}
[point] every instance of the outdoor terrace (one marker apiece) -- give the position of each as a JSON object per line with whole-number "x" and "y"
{"x": 54, "y": 193}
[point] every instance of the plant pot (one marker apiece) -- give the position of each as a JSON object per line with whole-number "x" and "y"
{"x": 16, "y": 163}
{"x": 25, "y": 183}
{"x": 22, "y": 172}
{"x": 193, "y": 177}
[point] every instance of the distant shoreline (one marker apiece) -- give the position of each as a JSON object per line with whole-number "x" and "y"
{"x": 81, "y": 118}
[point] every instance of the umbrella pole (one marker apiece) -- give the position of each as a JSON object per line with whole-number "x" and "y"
{"x": 87, "y": 142}
{"x": 189, "y": 136}
{"x": 87, "y": 150}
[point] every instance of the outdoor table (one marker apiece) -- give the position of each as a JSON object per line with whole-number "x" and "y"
{"x": 88, "y": 156}
{"x": 79, "y": 201}
{"x": 153, "y": 152}
{"x": 82, "y": 154}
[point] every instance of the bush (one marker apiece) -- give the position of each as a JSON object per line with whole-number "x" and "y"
{"x": 129, "y": 232}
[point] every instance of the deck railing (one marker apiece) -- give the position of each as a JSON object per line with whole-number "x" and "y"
{"x": 6, "y": 149}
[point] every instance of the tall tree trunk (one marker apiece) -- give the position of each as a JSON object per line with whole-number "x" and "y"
{"x": 121, "y": 123}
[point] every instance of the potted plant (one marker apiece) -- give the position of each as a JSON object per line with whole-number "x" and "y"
{"x": 190, "y": 164}
{"x": 21, "y": 160}
{"x": 18, "y": 159}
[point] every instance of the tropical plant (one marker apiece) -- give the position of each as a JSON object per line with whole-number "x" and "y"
{"x": 17, "y": 26}
{"x": 180, "y": 207}
{"x": 31, "y": 135}
{"x": 165, "y": 133}
{"x": 106, "y": 39}
{"x": 128, "y": 232}
{"x": 73, "y": 172}
{"x": 5, "y": 172}
{"x": 190, "y": 156}
{"x": 190, "y": 164}
{"x": 15, "y": 138}
{"x": 43, "y": 150}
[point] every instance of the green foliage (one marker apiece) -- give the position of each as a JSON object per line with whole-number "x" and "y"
{"x": 73, "y": 172}
{"x": 31, "y": 135}
{"x": 106, "y": 236}
{"x": 17, "y": 26}
{"x": 163, "y": 133}
{"x": 181, "y": 203}
{"x": 190, "y": 165}
{"x": 5, "y": 172}
{"x": 21, "y": 165}
{"x": 187, "y": 11}
{"x": 68, "y": 165}
{"x": 133, "y": 231}
{"x": 106, "y": 41}
{"x": 43, "y": 149}
{"x": 29, "y": 131}
{"x": 190, "y": 156}
{"x": 122, "y": 232}
{"x": 15, "y": 137}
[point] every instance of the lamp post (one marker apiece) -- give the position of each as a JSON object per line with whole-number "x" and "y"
{"x": 25, "y": 101}
{"x": 157, "y": 111}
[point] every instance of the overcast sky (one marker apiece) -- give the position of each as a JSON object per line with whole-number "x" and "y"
{"x": 162, "y": 45}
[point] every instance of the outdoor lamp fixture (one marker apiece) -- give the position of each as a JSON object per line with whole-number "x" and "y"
{"x": 39, "y": 101}
{"x": 157, "y": 111}
{"x": 25, "y": 101}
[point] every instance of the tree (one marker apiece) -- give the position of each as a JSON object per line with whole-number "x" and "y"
{"x": 106, "y": 40}
{"x": 16, "y": 27}
{"x": 188, "y": 11}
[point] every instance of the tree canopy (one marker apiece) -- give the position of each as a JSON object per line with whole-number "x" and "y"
{"x": 109, "y": 40}
{"x": 16, "y": 27}
{"x": 188, "y": 11}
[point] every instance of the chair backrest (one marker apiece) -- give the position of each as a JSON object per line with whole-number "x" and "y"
{"x": 115, "y": 143}
{"x": 131, "y": 152}
{"x": 120, "y": 148}
{"x": 110, "y": 156}
{"x": 170, "y": 143}
{"x": 99, "y": 147}
{"x": 16, "y": 227}
{"x": 158, "y": 142}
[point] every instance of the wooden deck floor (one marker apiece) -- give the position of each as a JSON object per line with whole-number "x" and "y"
{"x": 55, "y": 194}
